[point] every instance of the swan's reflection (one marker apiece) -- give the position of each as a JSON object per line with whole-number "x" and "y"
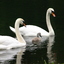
{"x": 19, "y": 56}
{"x": 50, "y": 54}
{"x": 7, "y": 55}
{"x": 35, "y": 54}
{"x": 32, "y": 54}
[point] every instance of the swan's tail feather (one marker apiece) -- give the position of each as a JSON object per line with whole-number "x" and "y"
{"x": 12, "y": 29}
{"x": 3, "y": 47}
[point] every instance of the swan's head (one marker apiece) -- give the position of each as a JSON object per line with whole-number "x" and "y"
{"x": 39, "y": 35}
{"x": 51, "y": 11}
{"x": 21, "y": 21}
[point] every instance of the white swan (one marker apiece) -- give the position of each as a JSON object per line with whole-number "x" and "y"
{"x": 31, "y": 30}
{"x": 7, "y": 42}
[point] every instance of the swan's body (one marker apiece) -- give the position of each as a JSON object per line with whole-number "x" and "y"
{"x": 37, "y": 39}
{"x": 31, "y": 30}
{"x": 7, "y": 42}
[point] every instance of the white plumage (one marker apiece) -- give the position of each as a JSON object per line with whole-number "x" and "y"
{"x": 32, "y": 30}
{"x": 8, "y": 42}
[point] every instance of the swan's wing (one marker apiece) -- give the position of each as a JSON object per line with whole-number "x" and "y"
{"x": 7, "y": 42}
{"x": 3, "y": 46}
{"x": 31, "y": 30}
{"x": 12, "y": 29}
{"x": 23, "y": 30}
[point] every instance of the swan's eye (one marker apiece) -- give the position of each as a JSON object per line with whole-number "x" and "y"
{"x": 53, "y": 14}
{"x": 52, "y": 11}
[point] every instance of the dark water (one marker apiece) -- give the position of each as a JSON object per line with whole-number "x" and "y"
{"x": 33, "y": 12}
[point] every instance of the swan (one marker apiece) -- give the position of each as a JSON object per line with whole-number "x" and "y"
{"x": 32, "y": 30}
{"x": 8, "y": 42}
{"x": 37, "y": 40}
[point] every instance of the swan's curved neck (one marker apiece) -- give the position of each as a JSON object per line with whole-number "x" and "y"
{"x": 51, "y": 31}
{"x": 18, "y": 35}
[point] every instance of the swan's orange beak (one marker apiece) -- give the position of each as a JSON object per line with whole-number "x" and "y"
{"x": 24, "y": 24}
{"x": 53, "y": 14}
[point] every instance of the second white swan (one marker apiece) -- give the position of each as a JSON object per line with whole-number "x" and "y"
{"x": 7, "y": 42}
{"x": 32, "y": 30}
